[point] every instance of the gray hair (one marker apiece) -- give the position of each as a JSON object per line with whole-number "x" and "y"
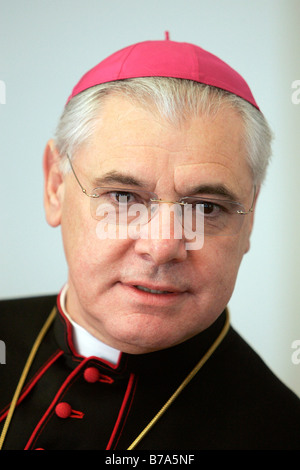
{"x": 175, "y": 100}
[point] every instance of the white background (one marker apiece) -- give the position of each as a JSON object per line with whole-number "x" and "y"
{"x": 45, "y": 47}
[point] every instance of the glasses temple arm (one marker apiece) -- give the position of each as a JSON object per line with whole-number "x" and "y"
{"x": 252, "y": 205}
{"x": 76, "y": 177}
{"x": 253, "y": 201}
{"x": 73, "y": 171}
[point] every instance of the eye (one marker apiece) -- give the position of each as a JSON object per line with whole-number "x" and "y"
{"x": 123, "y": 197}
{"x": 210, "y": 208}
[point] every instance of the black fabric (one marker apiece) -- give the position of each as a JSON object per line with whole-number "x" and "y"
{"x": 234, "y": 402}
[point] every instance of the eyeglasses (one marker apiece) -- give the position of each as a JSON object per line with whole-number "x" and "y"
{"x": 133, "y": 207}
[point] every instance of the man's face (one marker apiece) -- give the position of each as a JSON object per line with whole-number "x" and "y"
{"x": 170, "y": 161}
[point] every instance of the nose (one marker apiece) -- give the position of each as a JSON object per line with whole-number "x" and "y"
{"x": 162, "y": 238}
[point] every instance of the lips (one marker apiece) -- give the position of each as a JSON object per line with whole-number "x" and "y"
{"x": 150, "y": 296}
{"x": 154, "y": 289}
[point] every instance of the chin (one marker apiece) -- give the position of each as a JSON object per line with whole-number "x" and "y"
{"x": 142, "y": 337}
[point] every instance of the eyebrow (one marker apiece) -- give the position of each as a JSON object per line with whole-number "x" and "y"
{"x": 115, "y": 177}
{"x": 215, "y": 190}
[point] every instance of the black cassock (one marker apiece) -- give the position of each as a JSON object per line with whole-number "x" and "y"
{"x": 72, "y": 402}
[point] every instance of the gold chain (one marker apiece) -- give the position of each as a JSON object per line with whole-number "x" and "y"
{"x": 29, "y": 361}
{"x": 186, "y": 381}
{"x": 192, "y": 374}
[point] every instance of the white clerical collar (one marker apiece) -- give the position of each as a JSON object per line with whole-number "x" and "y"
{"x": 86, "y": 344}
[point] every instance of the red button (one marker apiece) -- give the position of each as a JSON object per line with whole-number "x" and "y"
{"x": 63, "y": 410}
{"x": 91, "y": 374}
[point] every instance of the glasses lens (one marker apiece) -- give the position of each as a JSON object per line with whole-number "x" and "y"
{"x": 197, "y": 215}
{"x": 220, "y": 217}
{"x": 121, "y": 206}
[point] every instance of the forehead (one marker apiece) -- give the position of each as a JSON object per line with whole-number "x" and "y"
{"x": 134, "y": 140}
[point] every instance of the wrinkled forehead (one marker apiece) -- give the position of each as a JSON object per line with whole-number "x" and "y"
{"x": 132, "y": 145}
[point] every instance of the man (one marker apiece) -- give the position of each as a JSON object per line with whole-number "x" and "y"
{"x": 139, "y": 353}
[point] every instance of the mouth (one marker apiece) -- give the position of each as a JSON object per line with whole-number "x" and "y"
{"x": 153, "y": 291}
{"x": 152, "y": 295}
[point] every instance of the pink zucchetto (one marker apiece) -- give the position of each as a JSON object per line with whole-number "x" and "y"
{"x": 166, "y": 59}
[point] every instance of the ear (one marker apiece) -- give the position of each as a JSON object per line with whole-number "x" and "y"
{"x": 53, "y": 185}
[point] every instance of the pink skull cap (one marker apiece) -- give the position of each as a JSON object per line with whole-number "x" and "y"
{"x": 166, "y": 59}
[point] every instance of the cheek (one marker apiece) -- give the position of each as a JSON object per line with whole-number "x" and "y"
{"x": 90, "y": 258}
{"x": 218, "y": 264}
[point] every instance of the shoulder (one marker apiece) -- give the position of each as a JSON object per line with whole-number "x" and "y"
{"x": 23, "y": 316}
{"x": 20, "y": 322}
{"x": 249, "y": 406}
{"x": 26, "y": 305}
{"x": 254, "y": 391}
{"x": 248, "y": 370}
